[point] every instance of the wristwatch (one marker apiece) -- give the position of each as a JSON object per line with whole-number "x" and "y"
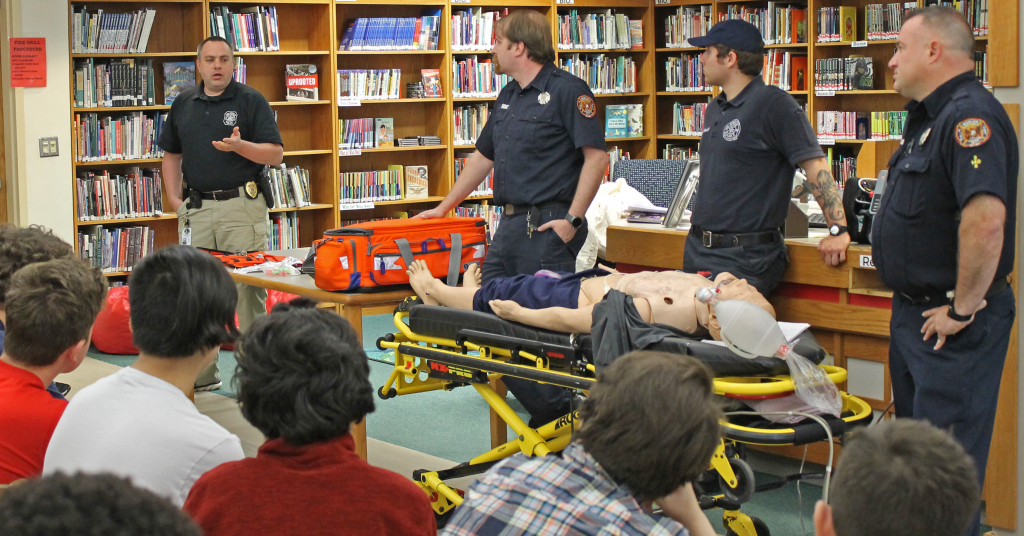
{"x": 575, "y": 221}
{"x": 951, "y": 313}
{"x": 836, "y": 229}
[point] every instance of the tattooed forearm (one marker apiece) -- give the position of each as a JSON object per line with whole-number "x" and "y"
{"x": 828, "y": 198}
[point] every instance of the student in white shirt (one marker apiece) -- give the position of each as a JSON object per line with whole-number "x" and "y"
{"x": 139, "y": 422}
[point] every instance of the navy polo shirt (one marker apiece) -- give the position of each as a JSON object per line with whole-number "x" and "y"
{"x": 535, "y": 136}
{"x": 197, "y": 119}
{"x": 749, "y": 150}
{"x": 958, "y": 142}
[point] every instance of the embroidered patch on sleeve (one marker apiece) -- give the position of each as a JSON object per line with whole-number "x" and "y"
{"x": 586, "y": 106}
{"x": 972, "y": 132}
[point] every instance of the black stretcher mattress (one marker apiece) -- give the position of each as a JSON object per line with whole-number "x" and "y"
{"x": 445, "y": 323}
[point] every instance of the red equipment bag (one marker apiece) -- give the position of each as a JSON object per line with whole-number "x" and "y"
{"x": 377, "y": 253}
{"x": 111, "y": 333}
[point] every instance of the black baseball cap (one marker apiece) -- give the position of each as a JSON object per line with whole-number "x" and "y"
{"x": 733, "y": 33}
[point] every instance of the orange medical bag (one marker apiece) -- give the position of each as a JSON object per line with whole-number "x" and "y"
{"x": 377, "y": 253}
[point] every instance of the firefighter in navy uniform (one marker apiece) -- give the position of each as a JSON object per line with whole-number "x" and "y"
{"x": 218, "y": 136}
{"x": 943, "y": 239}
{"x": 545, "y": 142}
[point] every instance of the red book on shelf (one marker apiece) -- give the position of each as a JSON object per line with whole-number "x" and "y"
{"x": 798, "y": 69}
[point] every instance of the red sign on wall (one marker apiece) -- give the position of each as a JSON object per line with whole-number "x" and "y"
{"x": 28, "y": 62}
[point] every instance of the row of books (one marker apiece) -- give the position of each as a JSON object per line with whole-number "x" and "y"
{"x": 111, "y": 33}
{"x": 116, "y": 249}
{"x": 686, "y": 23}
{"x": 688, "y": 119}
{"x": 883, "y": 21}
{"x": 474, "y": 77}
{"x": 486, "y": 187}
{"x": 392, "y": 33}
{"x": 473, "y": 28}
{"x": 253, "y": 29}
{"x": 490, "y": 213}
{"x": 366, "y": 133}
{"x": 102, "y": 196}
{"x": 124, "y": 137}
{"x": 290, "y": 186}
{"x": 844, "y": 74}
{"x": 837, "y": 24}
{"x": 284, "y": 231}
{"x": 468, "y": 121}
{"x": 779, "y": 24}
{"x": 975, "y": 11}
{"x": 115, "y": 82}
{"x": 371, "y": 186}
{"x": 615, "y": 155}
{"x": 886, "y": 125}
{"x": 370, "y": 83}
{"x": 624, "y": 120}
{"x": 604, "y": 74}
{"x": 844, "y": 168}
{"x": 685, "y": 74}
{"x": 676, "y": 151}
{"x": 604, "y": 29}
{"x": 238, "y": 72}
{"x": 785, "y": 70}
{"x": 981, "y": 66}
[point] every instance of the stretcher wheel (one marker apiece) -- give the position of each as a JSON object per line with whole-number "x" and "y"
{"x": 390, "y": 337}
{"x": 392, "y": 393}
{"x": 760, "y": 529}
{"x": 744, "y": 489}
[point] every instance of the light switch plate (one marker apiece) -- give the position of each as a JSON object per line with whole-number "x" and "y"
{"x": 48, "y": 147}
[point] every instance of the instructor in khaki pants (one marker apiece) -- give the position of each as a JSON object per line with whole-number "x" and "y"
{"x": 218, "y": 136}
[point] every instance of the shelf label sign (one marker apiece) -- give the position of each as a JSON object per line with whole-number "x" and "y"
{"x": 349, "y": 101}
{"x": 826, "y": 141}
{"x": 28, "y": 61}
{"x": 564, "y": 2}
{"x": 355, "y": 206}
{"x": 866, "y": 262}
{"x": 824, "y": 93}
{"x": 858, "y": 44}
{"x": 350, "y": 152}
{"x": 460, "y": 1}
{"x": 662, "y": 2}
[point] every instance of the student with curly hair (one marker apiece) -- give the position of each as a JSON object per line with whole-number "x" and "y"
{"x": 303, "y": 380}
{"x": 85, "y": 505}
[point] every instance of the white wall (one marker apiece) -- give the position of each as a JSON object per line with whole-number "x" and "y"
{"x": 41, "y": 188}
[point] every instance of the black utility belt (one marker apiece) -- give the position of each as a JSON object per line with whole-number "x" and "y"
{"x": 732, "y": 240}
{"x": 516, "y": 210}
{"x": 936, "y": 300}
{"x": 219, "y": 195}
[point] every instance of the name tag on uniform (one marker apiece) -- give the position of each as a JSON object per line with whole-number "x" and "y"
{"x": 186, "y": 236}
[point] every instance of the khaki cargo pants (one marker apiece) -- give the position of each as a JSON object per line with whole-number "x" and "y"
{"x": 239, "y": 224}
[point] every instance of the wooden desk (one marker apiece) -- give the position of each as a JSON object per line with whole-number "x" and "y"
{"x": 350, "y": 306}
{"x": 849, "y": 310}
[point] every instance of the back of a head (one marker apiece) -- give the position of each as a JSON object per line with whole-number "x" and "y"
{"x": 21, "y": 246}
{"x": 904, "y": 477}
{"x": 530, "y": 28}
{"x": 182, "y": 301}
{"x": 302, "y": 374}
{"x": 651, "y": 421}
{"x": 949, "y": 25}
{"x": 51, "y": 306}
{"x": 85, "y": 505}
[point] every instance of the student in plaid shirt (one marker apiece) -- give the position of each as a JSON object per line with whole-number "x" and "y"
{"x": 649, "y": 428}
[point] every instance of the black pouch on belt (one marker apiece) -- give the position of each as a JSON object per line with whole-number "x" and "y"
{"x": 264, "y": 181}
{"x": 195, "y": 200}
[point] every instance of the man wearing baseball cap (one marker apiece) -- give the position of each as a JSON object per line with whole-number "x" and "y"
{"x": 755, "y": 135}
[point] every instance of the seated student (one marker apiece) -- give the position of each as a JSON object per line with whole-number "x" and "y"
{"x": 86, "y": 505}
{"x": 303, "y": 380}
{"x": 900, "y": 477}
{"x": 567, "y": 304}
{"x": 53, "y": 306}
{"x": 20, "y": 247}
{"x": 139, "y": 421}
{"x": 649, "y": 429}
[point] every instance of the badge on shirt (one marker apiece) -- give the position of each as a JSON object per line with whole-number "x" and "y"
{"x": 731, "y": 132}
{"x": 586, "y": 106}
{"x": 251, "y": 190}
{"x": 230, "y": 118}
{"x": 972, "y": 132}
{"x": 544, "y": 98}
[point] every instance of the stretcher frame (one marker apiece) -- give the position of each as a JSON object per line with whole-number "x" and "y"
{"x": 426, "y": 363}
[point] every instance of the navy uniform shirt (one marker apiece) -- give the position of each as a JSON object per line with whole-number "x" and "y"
{"x": 197, "y": 119}
{"x": 958, "y": 142}
{"x": 537, "y": 147}
{"x": 749, "y": 151}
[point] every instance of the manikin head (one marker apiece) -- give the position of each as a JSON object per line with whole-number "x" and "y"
{"x": 732, "y": 288}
